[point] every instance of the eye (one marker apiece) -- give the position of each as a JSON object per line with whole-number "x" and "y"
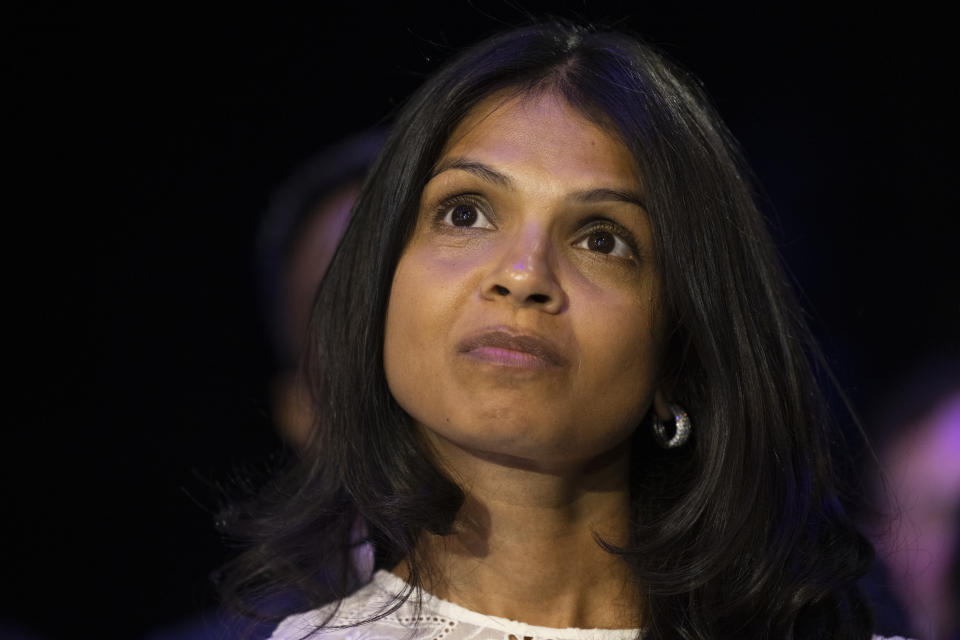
{"x": 465, "y": 214}
{"x": 609, "y": 239}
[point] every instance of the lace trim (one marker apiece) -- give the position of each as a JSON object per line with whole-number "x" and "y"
{"x": 391, "y": 584}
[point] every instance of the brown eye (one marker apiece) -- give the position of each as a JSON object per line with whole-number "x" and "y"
{"x": 602, "y": 241}
{"x": 463, "y": 215}
{"x": 608, "y": 241}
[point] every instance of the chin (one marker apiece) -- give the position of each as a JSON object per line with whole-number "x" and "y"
{"x": 527, "y": 444}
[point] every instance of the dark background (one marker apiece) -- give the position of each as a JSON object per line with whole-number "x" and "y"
{"x": 146, "y": 144}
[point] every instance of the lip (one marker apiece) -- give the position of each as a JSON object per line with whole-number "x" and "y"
{"x": 508, "y": 347}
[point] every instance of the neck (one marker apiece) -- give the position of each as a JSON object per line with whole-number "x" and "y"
{"x": 524, "y": 545}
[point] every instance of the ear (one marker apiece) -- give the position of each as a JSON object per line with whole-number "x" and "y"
{"x": 661, "y": 405}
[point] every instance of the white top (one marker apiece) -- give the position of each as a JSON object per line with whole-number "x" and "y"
{"x": 438, "y": 619}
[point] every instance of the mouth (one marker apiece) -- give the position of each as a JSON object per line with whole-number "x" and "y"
{"x": 503, "y": 347}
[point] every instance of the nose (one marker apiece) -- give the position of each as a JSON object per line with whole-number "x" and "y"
{"x": 523, "y": 274}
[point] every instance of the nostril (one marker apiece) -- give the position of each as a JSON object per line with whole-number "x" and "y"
{"x": 540, "y": 298}
{"x": 502, "y": 290}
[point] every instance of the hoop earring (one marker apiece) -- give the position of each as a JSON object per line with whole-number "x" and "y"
{"x": 681, "y": 430}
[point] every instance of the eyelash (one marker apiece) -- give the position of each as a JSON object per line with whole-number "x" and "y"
{"x": 595, "y": 224}
{"x": 449, "y": 204}
{"x": 619, "y": 232}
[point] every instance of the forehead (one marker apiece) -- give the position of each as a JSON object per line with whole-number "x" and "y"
{"x": 542, "y": 133}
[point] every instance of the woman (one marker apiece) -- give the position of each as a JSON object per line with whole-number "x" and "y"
{"x": 560, "y": 378}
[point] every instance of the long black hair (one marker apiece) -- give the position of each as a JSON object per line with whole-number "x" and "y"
{"x": 739, "y": 533}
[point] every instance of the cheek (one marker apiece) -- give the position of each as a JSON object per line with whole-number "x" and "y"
{"x": 424, "y": 299}
{"x": 621, "y": 355}
{"x": 401, "y": 342}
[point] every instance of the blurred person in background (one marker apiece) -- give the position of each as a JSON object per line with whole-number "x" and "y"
{"x": 917, "y": 528}
{"x": 296, "y": 242}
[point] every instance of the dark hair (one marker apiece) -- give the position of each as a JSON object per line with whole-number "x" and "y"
{"x": 738, "y": 534}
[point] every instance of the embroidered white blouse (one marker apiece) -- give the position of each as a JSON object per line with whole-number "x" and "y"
{"x": 438, "y": 619}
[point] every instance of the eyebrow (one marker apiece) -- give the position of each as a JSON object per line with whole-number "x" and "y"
{"x": 607, "y": 195}
{"x": 491, "y": 175}
{"x": 478, "y": 169}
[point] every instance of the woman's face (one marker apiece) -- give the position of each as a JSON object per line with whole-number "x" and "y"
{"x": 523, "y": 320}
